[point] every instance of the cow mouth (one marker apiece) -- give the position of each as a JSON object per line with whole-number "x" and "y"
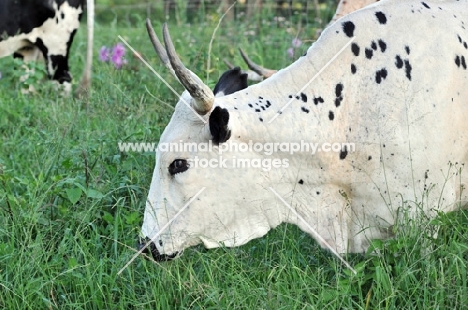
{"x": 151, "y": 249}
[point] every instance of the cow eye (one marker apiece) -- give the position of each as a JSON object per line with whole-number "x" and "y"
{"x": 178, "y": 166}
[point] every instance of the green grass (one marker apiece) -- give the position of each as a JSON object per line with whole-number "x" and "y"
{"x": 71, "y": 204}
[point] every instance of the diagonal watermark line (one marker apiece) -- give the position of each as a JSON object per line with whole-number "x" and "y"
{"x": 314, "y": 231}
{"x": 313, "y": 78}
{"x": 160, "y": 231}
{"x": 161, "y": 78}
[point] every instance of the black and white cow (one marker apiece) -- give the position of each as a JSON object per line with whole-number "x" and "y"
{"x": 388, "y": 83}
{"x": 33, "y": 29}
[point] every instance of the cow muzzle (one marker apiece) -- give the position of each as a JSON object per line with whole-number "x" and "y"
{"x": 153, "y": 250}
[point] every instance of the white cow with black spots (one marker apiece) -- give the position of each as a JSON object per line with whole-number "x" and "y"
{"x": 397, "y": 92}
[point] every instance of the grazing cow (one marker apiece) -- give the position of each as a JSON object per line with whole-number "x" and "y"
{"x": 387, "y": 84}
{"x": 48, "y": 26}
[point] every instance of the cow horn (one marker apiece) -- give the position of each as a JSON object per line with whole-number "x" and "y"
{"x": 201, "y": 93}
{"x": 158, "y": 47}
{"x": 266, "y": 73}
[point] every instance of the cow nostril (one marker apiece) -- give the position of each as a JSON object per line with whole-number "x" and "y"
{"x": 151, "y": 249}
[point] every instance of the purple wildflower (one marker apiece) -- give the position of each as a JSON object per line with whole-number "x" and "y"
{"x": 115, "y": 55}
{"x": 118, "y": 61}
{"x": 104, "y": 54}
{"x": 290, "y": 52}
{"x": 296, "y": 42}
{"x": 118, "y": 50}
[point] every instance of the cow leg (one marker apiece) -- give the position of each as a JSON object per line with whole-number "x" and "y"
{"x": 62, "y": 74}
{"x": 29, "y": 53}
{"x": 57, "y": 66}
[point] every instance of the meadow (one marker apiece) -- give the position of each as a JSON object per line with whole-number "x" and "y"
{"x": 71, "y": 204}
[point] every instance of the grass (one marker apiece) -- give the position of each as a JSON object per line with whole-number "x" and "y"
{"x": 71, "y": 204}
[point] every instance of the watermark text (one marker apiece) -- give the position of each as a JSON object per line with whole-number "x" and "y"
{"x": 265, "y": 148}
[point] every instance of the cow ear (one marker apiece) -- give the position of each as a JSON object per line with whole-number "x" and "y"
{"x": 231, "y": 81}
{"x": 219, "y": 120}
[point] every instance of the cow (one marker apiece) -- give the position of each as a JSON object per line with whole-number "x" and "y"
{"x": 36, "y": 29}
{"x": 387, "y": 84}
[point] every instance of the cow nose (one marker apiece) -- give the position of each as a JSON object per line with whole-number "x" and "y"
{"x": 153, "y": 250}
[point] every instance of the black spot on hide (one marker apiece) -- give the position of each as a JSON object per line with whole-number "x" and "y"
{"x": 425, "y": 5}
{"x": 318, "y": 100}
{"x": 380, "y": 75}
{"x": 348, "y": 28}
{"x": 339, "y": 89}
{"x": 382, "y": 45}
{"x": 408, "y": 69}
{"x": 381, "y": 18}
{"x": 407, "y": 49}
{"x": 344, "y": 153}
{"x": 355, "y": 49}
{"x": 398, "y": 62}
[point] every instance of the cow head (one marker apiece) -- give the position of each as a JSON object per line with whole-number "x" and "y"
{"x": 177, "y": 214}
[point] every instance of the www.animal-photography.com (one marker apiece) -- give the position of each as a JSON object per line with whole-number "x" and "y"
{"x": 249, "y": 154}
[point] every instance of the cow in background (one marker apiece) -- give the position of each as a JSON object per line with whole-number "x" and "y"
{"x": 35, "y": 29}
